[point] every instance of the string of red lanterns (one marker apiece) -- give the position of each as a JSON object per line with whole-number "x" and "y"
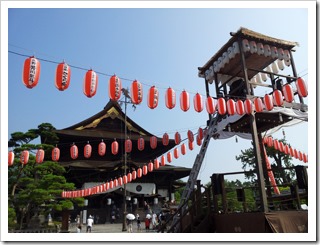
{"x": 286, "y": 149}
{"x": 31, "y": 75}
{"x": 141, "y": 171}
{"x": 270, "y": 173}
{"x": 87, "y": 150}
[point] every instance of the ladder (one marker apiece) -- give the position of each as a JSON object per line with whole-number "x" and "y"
{"x": 212, "y": 129}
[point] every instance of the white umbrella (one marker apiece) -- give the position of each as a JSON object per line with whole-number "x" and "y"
{"x": 148, "y": 216}
{"x": 130, "y": 216}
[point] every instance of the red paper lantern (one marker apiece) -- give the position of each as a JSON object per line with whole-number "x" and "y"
{"x": 288, "y": 93}
{"x": 163, "y": 160}
{"x": 31, "y": 72}
{"x": 291, "y": 151}
{"x": 114, "y": 147}
{"x": 10, "y": 158}
{"x": 265, "y": 140}
{"x": 281, "y": 146}
{"x": 190, "y": 136}
{"x": 139, "y": 172}
{"x": 115, "y": 183}
{"x": 231, "y": 107}
{"x": 277, "y": 98}
{"x": 258, "y": 105}
{"x": 134, "y": 174}
{"x": 55, "y": 154}
{"x": 177, "y": 138}
{"x": 200, "y": 133}
{"x": 240, "y": 107}
{"x": 140, "y": 143}
{"x": 170, "y": 98}
{"x": 169, "y": 157}
{"x": 74, "y": 151}
{"x": 270, "y": 142}
{"x": 302, "y": 87}
{"x": 39, "y": 156}
{"x": 129, "y": 175}
{"x": 305, "y": 157}
{"x": 286, "y": 149}
{"x": 63, "y": 74}
{"x": 102, "y": 148}
{"x": 90, "y": 84}
{"x": 184, "y": 101}
{"x": 153, "y": 142}
{"x": 144, "y": 170}
{"x": 222, "y": 109}
{"x": 125, "y": 179}
{"x": 165, "y": 139}
{"x": 128, "y": 145}
{"x": 210, "y": 105}
{"x": 276, "y": 144}
{"x": 300, "y": 155}
{"x": 120, "y": 181}
{"x": 150, "y": 166}
{"x": 111, "y": 184}
{"x": 198, "y": 102}
{"x": 190, "y": 144}
{"x": 156, "y": 164}
{"x": 183, "y": 149}
{"x": 136, "y": 92}
{"x": 107, "y": 186}
{"x": 115, "y": 88}
{"x": 268, "y": 102}
{"x": 248, "y": 106}
{"x": 199, "y": 141}
{"x": 87, "y": 150}
{"x": 153, "y": 97}
{"x": 24, "y": 157}
{"x": 295, "y": 154}
{"x": 176, "y": 153}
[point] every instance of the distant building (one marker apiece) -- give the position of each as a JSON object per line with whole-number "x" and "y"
{"x": 108, "y": 125}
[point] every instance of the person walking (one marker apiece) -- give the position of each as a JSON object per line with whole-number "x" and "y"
{"x": 147, "y": 224}
{"x": 89, "y": 223}
{"x": 138, "y": 222}
{"x": 113, "y": 217}
{"x": 154, "y": 220}
{"x": 129, "y": 223}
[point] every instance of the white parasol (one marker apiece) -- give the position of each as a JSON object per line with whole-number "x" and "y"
{"x": 130, "y": 216}
{"x": 148, "y": 216}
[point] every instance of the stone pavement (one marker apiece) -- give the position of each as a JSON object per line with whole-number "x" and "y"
{"x": 110, "y": 228}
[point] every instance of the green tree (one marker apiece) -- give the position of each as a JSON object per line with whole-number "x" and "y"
{"x": 280, "y": 161}
{"x": 36, "y": 188}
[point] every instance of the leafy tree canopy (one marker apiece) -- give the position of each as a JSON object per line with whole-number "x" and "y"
{"x": 36, "y": 188}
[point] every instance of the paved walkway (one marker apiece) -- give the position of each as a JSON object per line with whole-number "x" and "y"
{"x": 110, "y": 228}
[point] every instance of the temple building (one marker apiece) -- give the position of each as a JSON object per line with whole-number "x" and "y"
{"x": 155, "y": 188}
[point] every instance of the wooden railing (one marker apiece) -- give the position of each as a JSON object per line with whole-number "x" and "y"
{"x": 195, "y": 211}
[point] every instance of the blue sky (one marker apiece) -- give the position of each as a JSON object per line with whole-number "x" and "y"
{"x": 157, "y": 46}
{"x": 161, "y": 47}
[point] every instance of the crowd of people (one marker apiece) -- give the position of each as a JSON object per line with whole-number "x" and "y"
{"x": 152, "y": 220}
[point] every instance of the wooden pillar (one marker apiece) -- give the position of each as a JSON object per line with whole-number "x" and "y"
{"x": 207, "y": 94}
{"x": 294, "y": 72}
{"x": 208, "y": 200}
{"x": 259, "y": 167}
{"x": 198, "y": 197}
{"x": 65, "y": 221}
{"x": 254, "y": 133}
{"x": 223, "y": 194}
{"x": 297, "y": 196}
